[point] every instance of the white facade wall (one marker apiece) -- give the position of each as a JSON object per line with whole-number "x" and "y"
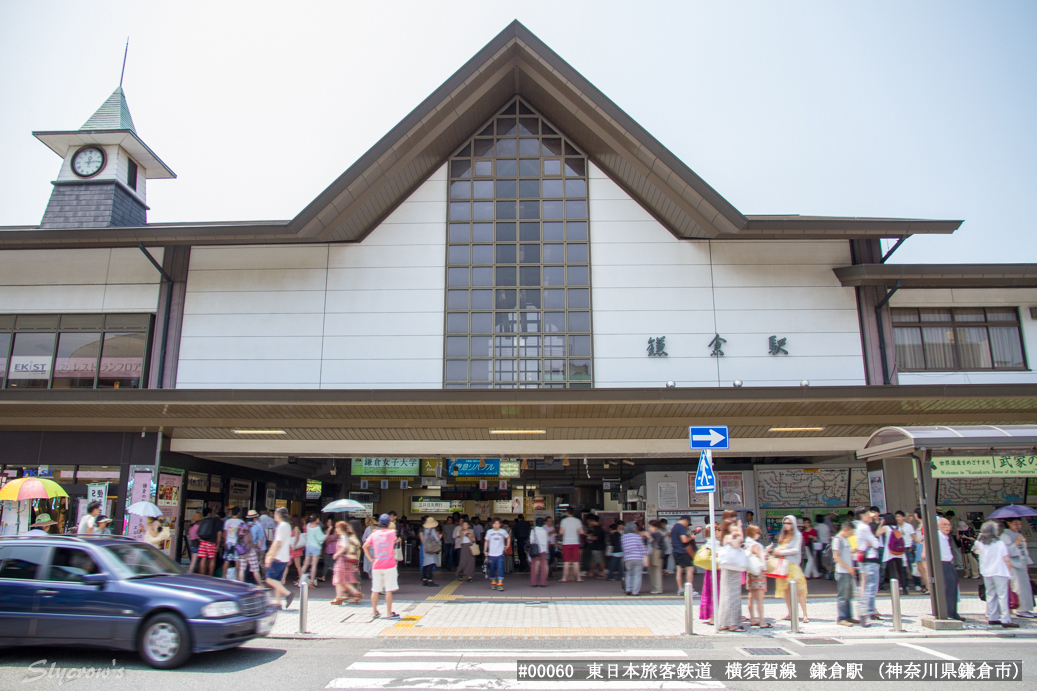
{"x": 338, "y": 316}
{"x": 647, "y": 283}
{"x": 1022, "y": 298}
{"x": 78, "y": 280}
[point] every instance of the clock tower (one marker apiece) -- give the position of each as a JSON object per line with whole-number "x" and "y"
{"x": 104, "y": 172}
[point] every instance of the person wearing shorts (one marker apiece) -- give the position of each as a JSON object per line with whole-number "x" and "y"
{"x": 278, "y": 556}
{"x": 380, "y": 549}
{"x": 680, "y": 538}
{"x": 571, "y": 531}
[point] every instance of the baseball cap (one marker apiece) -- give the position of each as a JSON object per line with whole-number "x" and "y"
{"x": 384, "y": 520}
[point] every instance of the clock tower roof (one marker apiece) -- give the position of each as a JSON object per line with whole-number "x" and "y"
{"x": 114, "y": 114}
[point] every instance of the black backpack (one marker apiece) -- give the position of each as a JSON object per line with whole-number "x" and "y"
{"x": 208, "y": 530}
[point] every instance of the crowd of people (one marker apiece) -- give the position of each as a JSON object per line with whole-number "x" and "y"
{"x": 863, "y": 551}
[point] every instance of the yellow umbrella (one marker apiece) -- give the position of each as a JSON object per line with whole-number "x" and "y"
{"x": 31, "y": 488}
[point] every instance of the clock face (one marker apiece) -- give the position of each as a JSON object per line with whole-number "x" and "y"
{"x": 88, "y": 161}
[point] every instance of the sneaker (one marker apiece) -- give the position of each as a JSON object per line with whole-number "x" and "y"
{"x": 1026, "y": 615}
{"x": 680, "y": 593}
{"x": 288, "y": 600}
{"x": 846, "y": 622}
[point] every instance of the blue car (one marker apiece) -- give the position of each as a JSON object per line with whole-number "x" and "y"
{"x": 115, "y": 592}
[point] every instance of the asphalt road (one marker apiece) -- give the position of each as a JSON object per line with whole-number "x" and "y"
{"x": 303, "y": 665}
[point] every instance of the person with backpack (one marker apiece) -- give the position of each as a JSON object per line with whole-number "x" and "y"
{"x": 245, "y": 546}
{"x": 431, "y": 547}
{"x": 208, "y": 536}
{"x": 894, "y": 555}
{"x": 230, "y": 542}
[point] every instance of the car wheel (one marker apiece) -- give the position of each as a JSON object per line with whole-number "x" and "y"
{"x": 164, "y": 641}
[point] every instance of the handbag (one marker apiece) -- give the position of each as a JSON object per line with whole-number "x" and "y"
{"x": 754, "y": 564}
{"x": 533, "y": 548}
{"x": 1013, "y": 599}
{"x": 703, "y": 558}
{"x": 398, "y": 553}
{"x": 732, "y": 558}
{"x": 474, "y": 548}
{"x": 777, "y": 568}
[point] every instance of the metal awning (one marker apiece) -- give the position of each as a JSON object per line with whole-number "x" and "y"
{"x": 889, "y": 442}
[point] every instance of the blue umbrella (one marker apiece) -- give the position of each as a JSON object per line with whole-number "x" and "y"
{"x": 342, "y": 505}
{"x": 1013, "y": 511}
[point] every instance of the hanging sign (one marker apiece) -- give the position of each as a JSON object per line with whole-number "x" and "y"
{"x": 1000, "y": 465}
{"x": 98, "y": 493}
{"x": 409, "y": 467}
{"x": 474, "y": 467}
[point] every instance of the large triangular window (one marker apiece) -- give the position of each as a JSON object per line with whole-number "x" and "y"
{"x": 518, "y": 312}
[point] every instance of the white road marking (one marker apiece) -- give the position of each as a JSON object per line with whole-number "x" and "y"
{"x": 446, "y": 684}
{"x": 929, "y": 651}
{"x": 431, "y": 666}
{"x": 532, "y": 654}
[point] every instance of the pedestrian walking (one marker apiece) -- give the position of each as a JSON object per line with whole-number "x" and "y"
{"x": 789, "y": 548}
{"x": 230, "y": 542}
{"x": 615, "y": 552}
{"x": 431, "y": 548}
{"x": 894, "y": 558}
{"x": 664, "y": 528}
{"x": 193, "y": 542}
{"x": 571, "y": 532}
{"x": 682, "y": 542}
{"x": 538, "y": 561}
{"x": 995, "y": 565}
{"x": 756, "y": 583}
{"x": 950, "y": 573}
{"x": 314, "y": 546}
{"x": 298, "y": 547}
{"x": 868, "y": 554}
{"x": 811, "y": 565}
{"x": 1019, "y": 556}
{"x": 497, "y": 542}
{"x": 469, "y": 545}
{"x": 922, "y": 561}
{"x": 706, "y": 598}
{"x": 907, "y": 533}
{"x": 845, "y": 574}
{"x": 635, "y": 558}
{"x": 208, "y": 535}
{"x": 823, "y": 526}
{"x": 520, "y": 535}
{"x": 346, "y": 556}
{"x": 731, "y": 567}
{"x": 380, "y": 549}
{"x": 552, "y": 543}
{"x": 278, "y": 556}
{"x": 256, "y": 543}
{"x": 657, "y": 547}
{"x": 596, "y": 539}
{"x": 329, "y": 549}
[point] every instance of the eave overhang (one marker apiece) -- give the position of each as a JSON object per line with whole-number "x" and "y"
{"x": 939, "y": 275}
{"x": 60, "y": 143}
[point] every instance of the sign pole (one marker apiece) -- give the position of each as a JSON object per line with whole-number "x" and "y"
{"x": 713, "y": 551}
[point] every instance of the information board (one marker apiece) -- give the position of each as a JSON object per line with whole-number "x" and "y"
{"x": 802, "y": 487}
{"x": 407, "y": 467}
{"x": 860, "y": 492}
{"x": 981, "y": 490}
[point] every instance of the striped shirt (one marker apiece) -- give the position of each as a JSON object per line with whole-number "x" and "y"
{"x": 633, "y": 547}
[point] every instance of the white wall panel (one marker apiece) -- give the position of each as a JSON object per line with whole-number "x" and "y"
{"x": 79, "y": 280}
{"x": 647, "y": 283}
{"x": 367, "y": 314}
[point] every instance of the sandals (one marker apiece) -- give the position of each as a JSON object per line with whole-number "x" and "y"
{"x": 766, "y": 626}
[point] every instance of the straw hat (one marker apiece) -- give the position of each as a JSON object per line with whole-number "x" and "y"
{"x": 103, "y": 519}
{"x": 252, "y": 513}
{"x": 430, "y": 523}
{"x": 42, "y": 520}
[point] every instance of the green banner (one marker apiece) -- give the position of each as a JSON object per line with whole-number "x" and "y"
{"x": 400, "y": 467}
{"x": 999, "y": 465}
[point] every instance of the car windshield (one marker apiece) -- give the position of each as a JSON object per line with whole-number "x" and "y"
{"x": 138, "y": 559}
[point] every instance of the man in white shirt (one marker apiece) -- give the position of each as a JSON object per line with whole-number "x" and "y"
{"x": 950, "y": 574}
{"x": 230, "y": 540}
{"x": 571, "y": 531}
{"x": 824, "y": 536}
{"x": 88, "y": 522}
{"x": 867, "y": 565}
{"x": 278, "y": 556}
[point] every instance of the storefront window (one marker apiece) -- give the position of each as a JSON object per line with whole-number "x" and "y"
{"x": 73, "y": 351}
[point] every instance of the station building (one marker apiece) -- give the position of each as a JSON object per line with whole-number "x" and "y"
{"x": 518, "y": 299}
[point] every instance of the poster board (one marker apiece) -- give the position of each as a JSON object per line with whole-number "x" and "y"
{"x": 860, "y": 494}
{"x": 240, "y": 491}
{"x": 1031, "y": 491}
{"x": 772, "y": 520}
{"x": 667, "y": 496}
{"x": 732, "y": 496}
{"x": 877, "y": 490}
{"x": 169, "y": 501}
{"x": 802, "y": 487}
{"x": 695, "y": 500}
{"x": 139, "y": 490}
{"x": 980, "y": 490}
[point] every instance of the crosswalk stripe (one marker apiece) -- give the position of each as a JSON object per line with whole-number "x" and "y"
{"x": 431, "y": 666}
{"x": 447, "y": 684}
{"x": 533, "y": 654}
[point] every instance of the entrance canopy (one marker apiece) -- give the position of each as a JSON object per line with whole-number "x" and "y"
{"x": 901, "y": 441}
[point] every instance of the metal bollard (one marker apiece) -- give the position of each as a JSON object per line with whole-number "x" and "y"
{"x": 794, "y": 606}
{"x": 689, "y": 610}
{"x": 304, "y": 600}
{"x": 894, "y": 593}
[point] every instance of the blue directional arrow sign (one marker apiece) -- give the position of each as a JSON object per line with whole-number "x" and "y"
{"x": 705, "y": 480}
{"x": 708, "y": 437}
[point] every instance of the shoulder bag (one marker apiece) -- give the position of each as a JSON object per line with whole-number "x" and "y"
{"x": 732, "y": 558}
{"x": 703, "y": 558}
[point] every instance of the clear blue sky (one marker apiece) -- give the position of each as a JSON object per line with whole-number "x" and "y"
{"x": 921, "y": 109}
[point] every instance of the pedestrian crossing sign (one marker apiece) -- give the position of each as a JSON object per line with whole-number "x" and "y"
{"x": 705, "y": 480}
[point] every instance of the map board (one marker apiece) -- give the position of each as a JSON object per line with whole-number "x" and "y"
{"x": 860, "y": 493}
{"x": 802, "y": 487}
{"x": 981, "y": 490}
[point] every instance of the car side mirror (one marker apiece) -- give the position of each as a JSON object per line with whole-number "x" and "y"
{"x": 94, "y": 579}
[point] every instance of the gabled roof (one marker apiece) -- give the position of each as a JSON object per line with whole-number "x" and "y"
{"x": 514, "y": 63}
{"x": 114, "y": 114}
{"x": 110, "y": 125}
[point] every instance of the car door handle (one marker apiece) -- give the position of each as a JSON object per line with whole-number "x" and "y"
{"x": 46, "y": 593}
